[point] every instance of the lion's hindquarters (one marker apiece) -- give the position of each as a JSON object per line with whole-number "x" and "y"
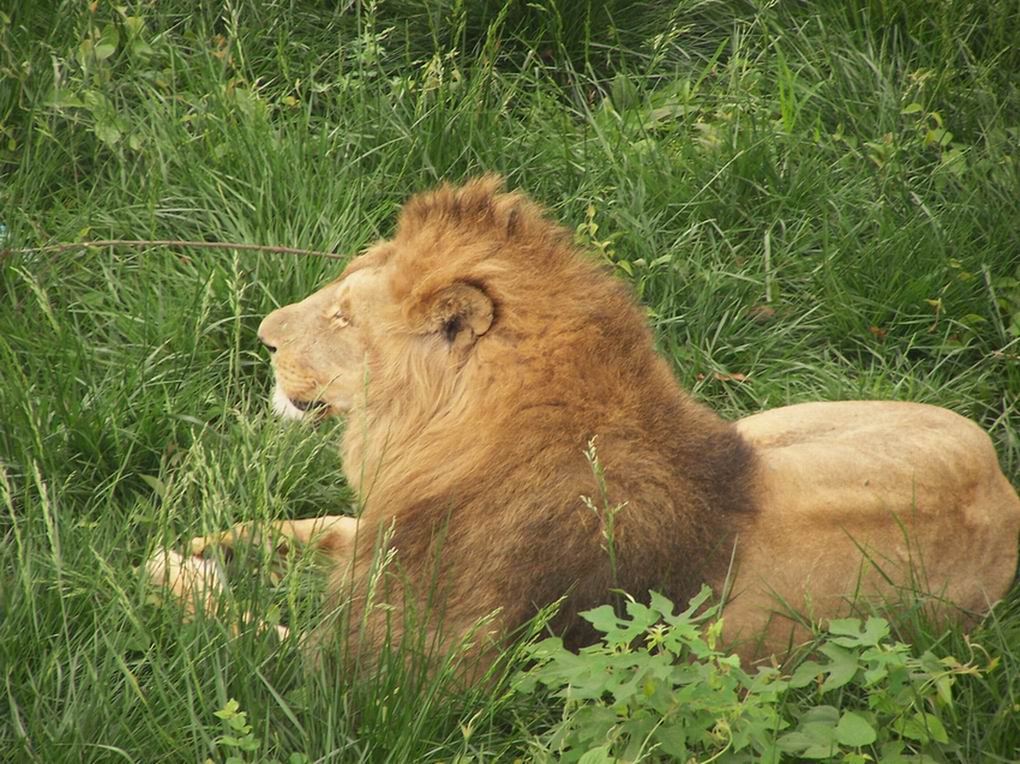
{"x": 870, "y": 501}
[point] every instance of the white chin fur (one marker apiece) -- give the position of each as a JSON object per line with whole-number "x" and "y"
{"x": 282, "y": 406}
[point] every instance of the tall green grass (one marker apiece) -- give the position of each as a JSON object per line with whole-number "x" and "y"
{"x": 822, "y": 198}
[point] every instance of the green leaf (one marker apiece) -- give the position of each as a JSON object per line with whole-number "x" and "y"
{"x": 623, "y": 92}
{"x": 85, "y": 51}
{"x": 944, "y": 687}
{"x": 133, "y": 25}
{"x": 806, "y": 673}
{"x": 228, "y": 710}
{"x": 137, "y": 46}
{"x": 246, "y": 743}
{"x": 603, "y": 618}
{"x": 107, "y": 132}
{"x": 922, "y": 727}
{"x": 97, "y": 103}
{"x": 141, "y": 48}
{"x": 598, "y": 755}
{"x": 155, "y": 484}
{"x": 849, "y": 633}
{"x": 806, "y": 746}
{"x": 107, "y": 43}
{"x": 938, "y": 137}
{"x": 936, "y": 729}
{"x": 641, "y": 616}
{"x": 815, "y": 737}
{"x": 63, "y": 98}
{"x": 854, "y": 730}
{"x": 841, "y": 669}
{"x": 794, "y": 742}
{"x": 673, "y": 739}
{"x": 912, "y": 108}
{"x": 826, "y": 715}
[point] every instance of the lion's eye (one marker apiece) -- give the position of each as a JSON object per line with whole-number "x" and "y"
{"x": 338, "y": 316}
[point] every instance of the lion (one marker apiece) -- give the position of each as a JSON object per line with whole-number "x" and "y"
{"x": 516, "y": 440}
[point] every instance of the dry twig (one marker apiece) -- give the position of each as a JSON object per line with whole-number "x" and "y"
{"x": 174, "y": 243}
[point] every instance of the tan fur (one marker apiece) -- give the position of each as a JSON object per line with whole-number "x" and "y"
{"x": 872, "y": 501}
{"x": 478, "y": 352}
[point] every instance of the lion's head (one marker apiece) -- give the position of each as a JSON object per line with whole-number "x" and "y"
{"x": 372, "y": 327}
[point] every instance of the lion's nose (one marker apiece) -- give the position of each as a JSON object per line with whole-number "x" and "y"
{"x": 270, "y": 345}
{"x": 265, "y": 335}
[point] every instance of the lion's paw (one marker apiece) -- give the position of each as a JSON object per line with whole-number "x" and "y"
{"x": 192, "y": 580}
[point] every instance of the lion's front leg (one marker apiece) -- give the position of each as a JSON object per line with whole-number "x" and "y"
{"x": 198, "y": 584}
{"x": 323, "y": 533}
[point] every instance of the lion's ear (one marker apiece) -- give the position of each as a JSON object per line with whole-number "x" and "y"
{"x": 460, "y": 313}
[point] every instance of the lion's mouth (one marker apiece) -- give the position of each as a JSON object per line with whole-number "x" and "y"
{"x": 307, "y": 405}
{"x": 297, "y": 408}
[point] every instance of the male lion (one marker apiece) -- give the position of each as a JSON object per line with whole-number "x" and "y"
{"x": 478, "y": 355}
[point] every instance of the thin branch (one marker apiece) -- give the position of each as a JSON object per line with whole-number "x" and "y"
{"x": 174, "y": 243}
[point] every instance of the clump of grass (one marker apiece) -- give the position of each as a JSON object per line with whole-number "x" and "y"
{"x": 814, "y": 202}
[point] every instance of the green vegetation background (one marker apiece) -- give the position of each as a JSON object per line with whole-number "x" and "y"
{"x": 814, "y": 200}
